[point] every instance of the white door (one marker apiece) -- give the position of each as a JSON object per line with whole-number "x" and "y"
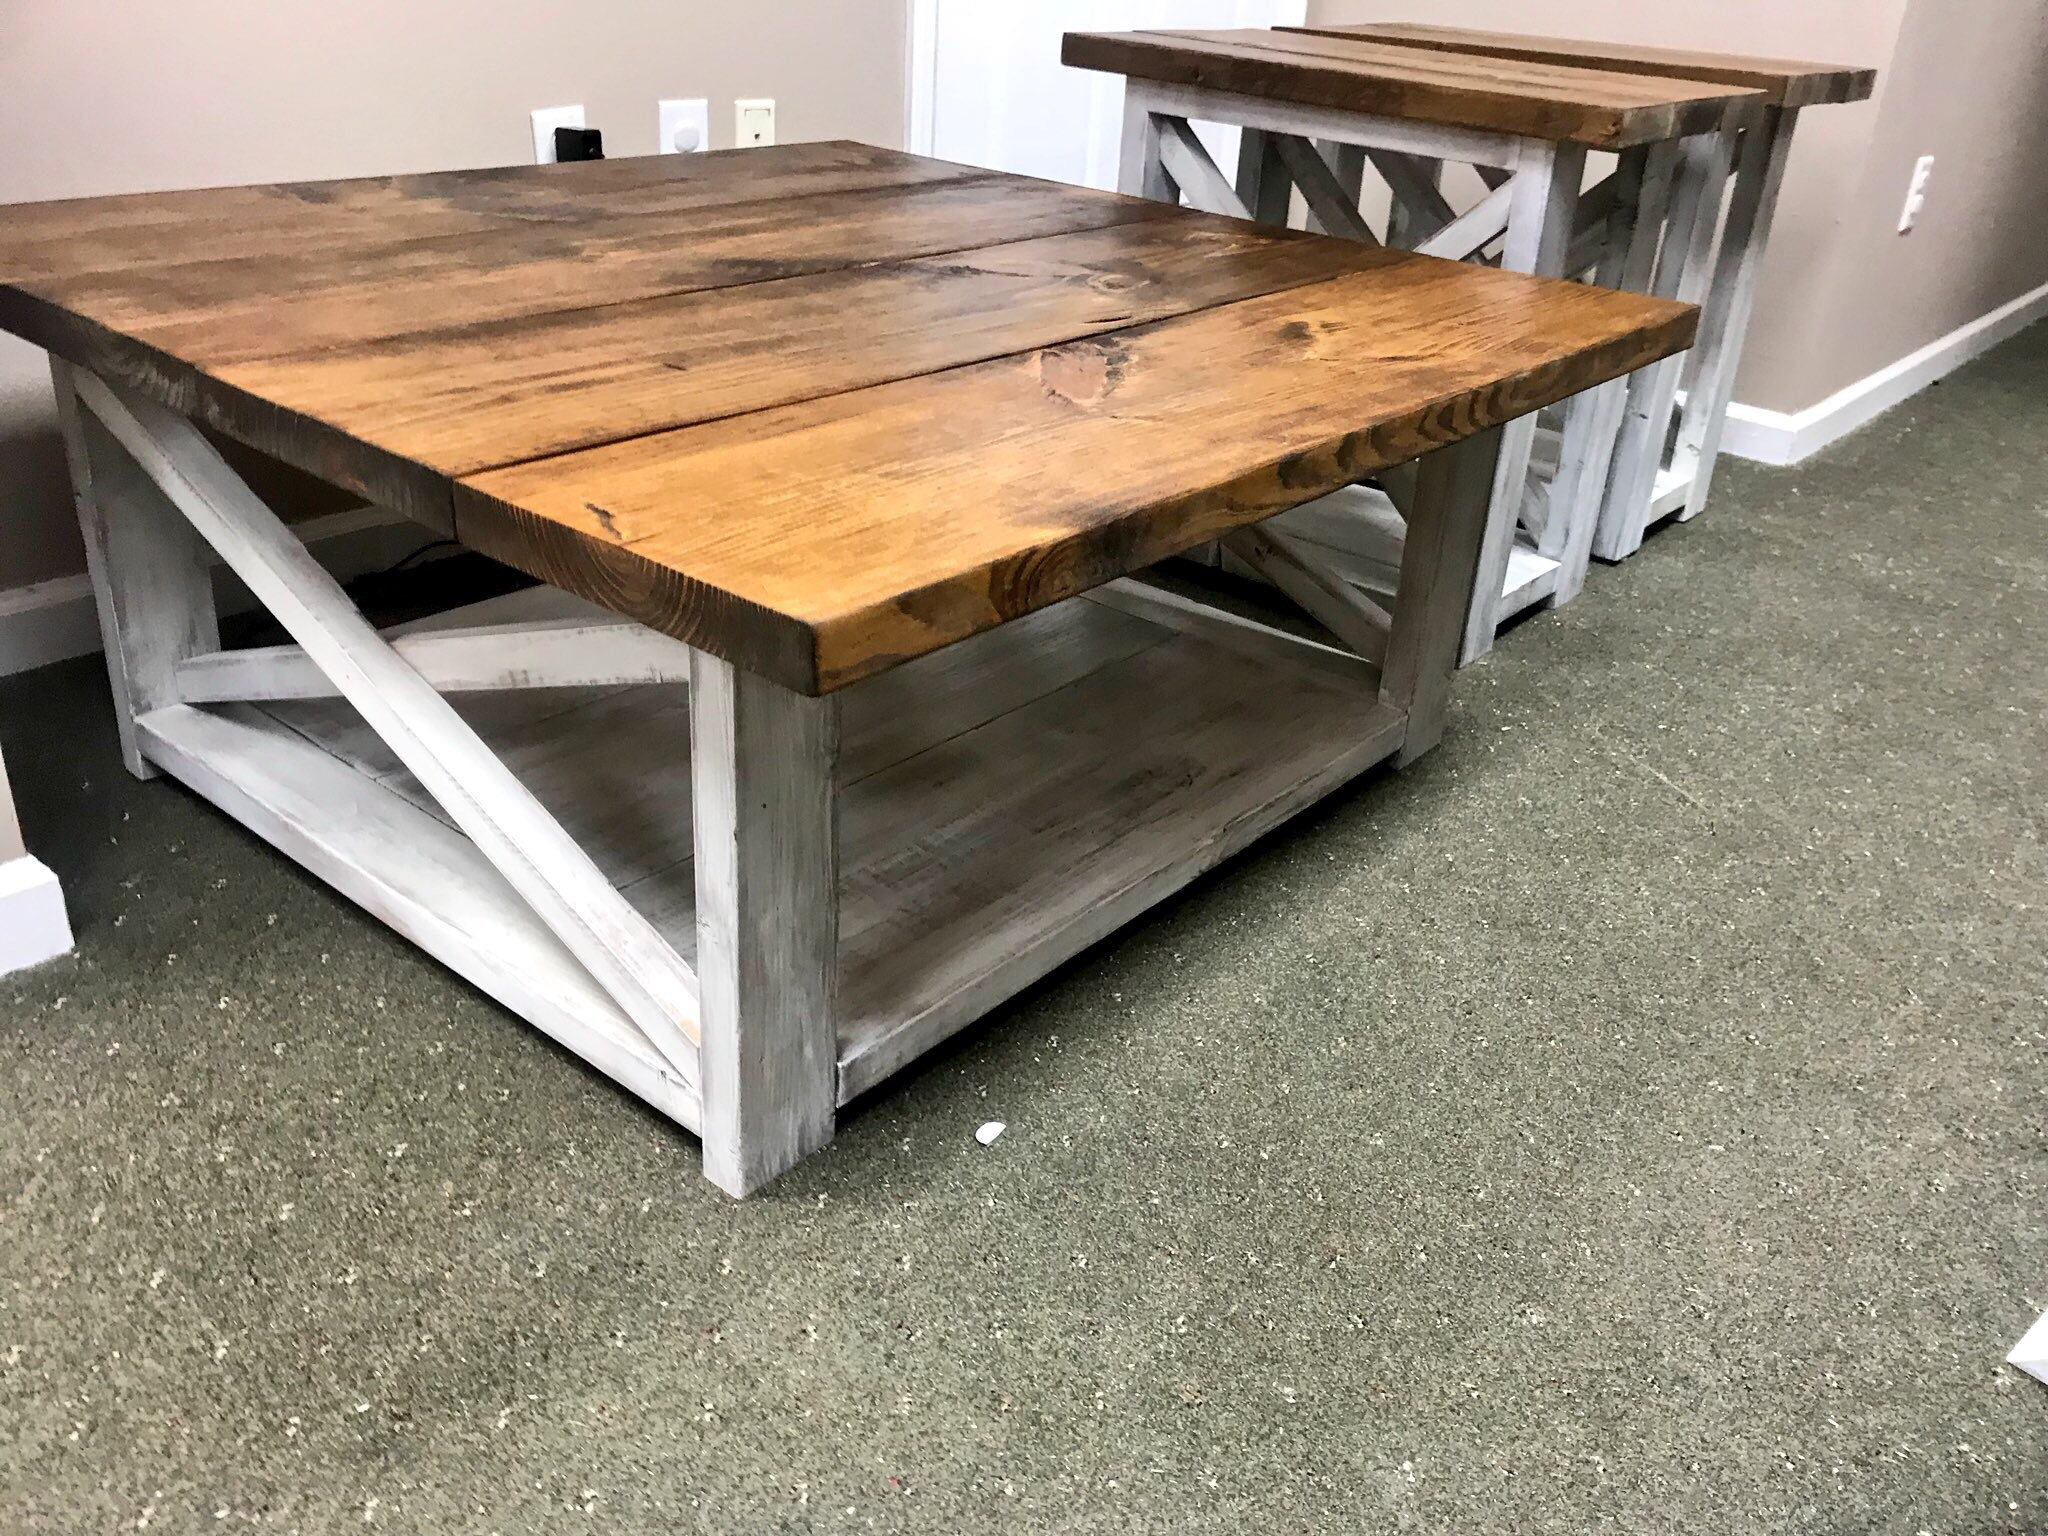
{"x": 987, "y": 86}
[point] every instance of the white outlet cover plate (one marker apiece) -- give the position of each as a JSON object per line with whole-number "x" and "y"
{"x": 683, "y": 118}
{"x": 1916, "y": 193}
{"x": 545, "y": 121}
{"x": 753, "y": 121}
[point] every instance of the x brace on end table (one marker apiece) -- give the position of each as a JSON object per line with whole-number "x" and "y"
{"x": 1649, "y": 227}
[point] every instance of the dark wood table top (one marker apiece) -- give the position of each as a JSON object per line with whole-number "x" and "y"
{"x": 1784, "y": 82}
{"x": 819, "y": 408}
{"x": 1599, "y": 108}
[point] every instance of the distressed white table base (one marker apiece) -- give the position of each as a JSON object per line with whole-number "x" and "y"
{"x": 745, "y": 905}
{"x": 1664, "y": 464}
{"x": 1550, "y": 486}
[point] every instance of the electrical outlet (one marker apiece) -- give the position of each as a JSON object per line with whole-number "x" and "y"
{"x": 1916, "y": 193}
{"x": 685, "y": 127}
{"x": 753, "y": 121}
{"x": 545, "y": 121}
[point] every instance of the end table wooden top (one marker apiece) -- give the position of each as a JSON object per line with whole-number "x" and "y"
{"x": 1783, "y": 82}
{"x": 1598, "y": 108}
{"x": 815, "y": 409}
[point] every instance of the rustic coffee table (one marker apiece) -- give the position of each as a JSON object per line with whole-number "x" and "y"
{"x": 838, "y": 718}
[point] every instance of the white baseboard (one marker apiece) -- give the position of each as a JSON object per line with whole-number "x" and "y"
{"x": 2031, "y": 1353}
{"x": 1786, "y": 437}
{"x": 55, "y": 620}
{"x": 33, "y": 927}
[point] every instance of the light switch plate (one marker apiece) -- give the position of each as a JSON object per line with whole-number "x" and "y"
{"x": 545, "y": 121}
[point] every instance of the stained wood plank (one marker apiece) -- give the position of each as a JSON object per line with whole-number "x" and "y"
{"x": 1784, "y": 82}
{"x": 819, "y": 481}
{"x": 981, "y": 865}
{"x": 481, "y": 397}
{"x": 97, "y": 234}
{"x": 209, "y": 313}
{"x": 1597, "y": 108}
{"x": 822, "y": 542}
{"x": 160, "y": 330}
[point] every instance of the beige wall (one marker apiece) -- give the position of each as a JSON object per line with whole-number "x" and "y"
{"x": 100, "y": 96}
{"x": 1968, "y": 84}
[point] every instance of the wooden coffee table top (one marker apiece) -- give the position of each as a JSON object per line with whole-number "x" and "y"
{"x": 1595, "y": 107}
{"x": 817, "y": 409}
{"x": 1784, "y": 82}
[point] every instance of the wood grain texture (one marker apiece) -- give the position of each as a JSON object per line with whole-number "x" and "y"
{"x": 811, "y": 428}
{"x": 170, "y": 331}
{"x": 208, "y": 312}
{"x": 484, "y": 396}
{"x": 100, "y": 234}
{"x": 822, "y": 542}
{"x": 1597, "y": 108}
{"x": 1784, "y": 82}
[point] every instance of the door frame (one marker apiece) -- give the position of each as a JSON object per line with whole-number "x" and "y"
{"x": 921, "y": 68}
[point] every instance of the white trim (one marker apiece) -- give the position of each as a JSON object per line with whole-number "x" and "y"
{"x": 33, "y": 927}
{"x": 921, "y": 77}
{"x": 2031, "y": 1353}
{"x": 1787, "y": 437}
{"x": 50, "y": 621}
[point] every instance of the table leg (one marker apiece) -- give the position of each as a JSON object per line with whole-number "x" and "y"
{"x": 1642, "y": 192}
{"x": 1758, "y": 177}
{"x": 1449, "y": 515}
{"x": 761, "y": 766}
{"x": 1262, "y": 180}
{"x": 645, "y": 987}
{"x": 1704, "y": 163}
{"x": 150, "y": 571}
{"x": 1140, "y": 171}
{"x": 1544, "y": 208}
{"x": 1416, "y": 208}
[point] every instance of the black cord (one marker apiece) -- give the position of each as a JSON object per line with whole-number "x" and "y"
{"x": 406, "y": 562}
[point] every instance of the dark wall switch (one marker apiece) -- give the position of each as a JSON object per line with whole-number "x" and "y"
{"x": 579, "y": 144}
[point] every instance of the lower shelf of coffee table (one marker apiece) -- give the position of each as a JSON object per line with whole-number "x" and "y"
{"x": 1003, "y": 804}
